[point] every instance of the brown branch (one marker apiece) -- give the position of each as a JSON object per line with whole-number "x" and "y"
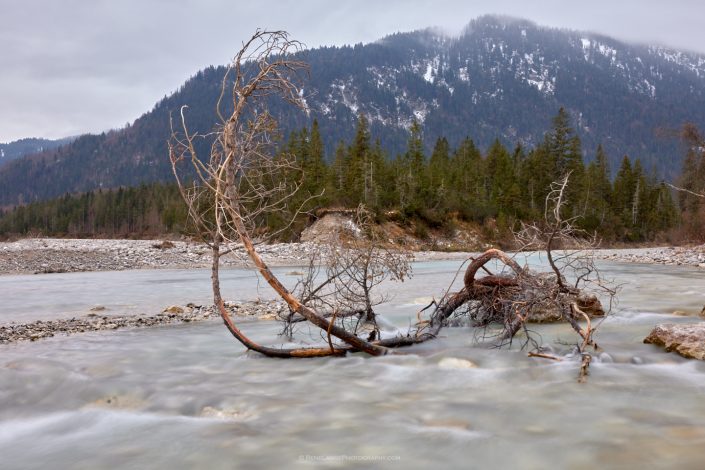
{"x": 686, "y": 190}
{"x": 544, "y": 356}
{"x": 584, "y": 368}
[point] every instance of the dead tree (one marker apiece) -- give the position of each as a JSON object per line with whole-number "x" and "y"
{"x": 345, "y": 271}
{"x": 570, "y": 301}
{"x": 243, "y": 179}
{"x": 240, "y": 180}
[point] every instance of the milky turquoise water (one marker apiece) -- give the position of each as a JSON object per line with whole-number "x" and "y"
{"x": 189, "y": 396}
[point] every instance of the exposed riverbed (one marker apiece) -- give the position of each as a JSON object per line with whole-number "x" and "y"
{"x": 189, "y": 396}
{"x": 52, "y": 255}
{"x": 55, "y": 255}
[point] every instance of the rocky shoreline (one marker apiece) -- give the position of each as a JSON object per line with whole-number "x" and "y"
{"x": 95, "y": 321}
{"x": 693, "y": 256}
{"x": 687, "y": 340}
{"x": 53, "y": 255}
{"x": 46, "y": 255}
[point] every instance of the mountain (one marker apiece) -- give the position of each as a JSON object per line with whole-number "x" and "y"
{"x": 500, "y": 77}
{"x": 20, "y": 148}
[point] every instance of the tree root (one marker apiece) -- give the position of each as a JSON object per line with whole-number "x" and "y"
{"x": 505, "y": 299}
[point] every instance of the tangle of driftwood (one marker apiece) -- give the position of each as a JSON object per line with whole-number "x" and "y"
{"x": 239, "y": 184}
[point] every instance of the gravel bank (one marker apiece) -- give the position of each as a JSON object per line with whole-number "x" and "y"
{"x": 47, "y": 255}
{"x": 96, "y": 321}
{"x": 678, "y": 256}
{"x": 50, "y": 255}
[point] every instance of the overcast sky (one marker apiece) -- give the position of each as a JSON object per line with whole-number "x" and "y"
{"x": 75, "y": 66}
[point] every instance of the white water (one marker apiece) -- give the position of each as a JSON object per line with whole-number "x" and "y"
{"x": 641, "y": 407}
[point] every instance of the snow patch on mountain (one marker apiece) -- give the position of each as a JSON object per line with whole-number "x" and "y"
{"x": 463, "y": 74}
{"x": 480, "y": 64}
{"x": 346, "y": 91}
{"x": 690, "y": 61}
{"x": 429, "y": 67}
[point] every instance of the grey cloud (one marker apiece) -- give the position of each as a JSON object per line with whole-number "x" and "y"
{"x": 90, "y": 65}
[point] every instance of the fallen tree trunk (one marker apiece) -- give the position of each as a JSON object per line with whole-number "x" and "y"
{"x": 494, "y": 287}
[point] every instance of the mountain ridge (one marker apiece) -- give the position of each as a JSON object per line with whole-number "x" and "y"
{"x": 498, "y": 78}
{"x": 19, "y": 148}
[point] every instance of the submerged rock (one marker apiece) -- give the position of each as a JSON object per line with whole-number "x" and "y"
{"x": 122, "y": 402}
{"x": 225, "y": 414}
{"x": 456, "y": 363}
{"x": 173, "y": 309}
{"x": 686, "y": 340}
{"x": 549, "y": 312}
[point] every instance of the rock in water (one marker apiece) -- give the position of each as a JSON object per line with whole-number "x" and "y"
{"x": 455, "y": 363}
{"x": 686, "y": 340}
{"x": 174, "y": 309}
{"x": 702, "y": 312}
{"x": 548, "y": 311}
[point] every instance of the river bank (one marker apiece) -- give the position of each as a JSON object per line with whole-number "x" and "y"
{"x": 99, "y": 320}
{"x": 52, "y": 255}
{"x": 126, "y": 307}
{"x": 672, "y": 255}
{"x": 55, "y": 255}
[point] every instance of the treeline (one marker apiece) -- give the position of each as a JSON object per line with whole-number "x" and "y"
{"x": 506, "y": 185}
{"x": 499, "y": 185}
{"x": 691, "y": 194}
{"x": 147, "y": 210}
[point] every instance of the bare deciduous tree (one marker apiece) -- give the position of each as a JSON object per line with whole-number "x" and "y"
{"x": 346, "y": 270}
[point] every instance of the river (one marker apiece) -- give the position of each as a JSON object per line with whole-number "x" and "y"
{"x": 189, "y": 396}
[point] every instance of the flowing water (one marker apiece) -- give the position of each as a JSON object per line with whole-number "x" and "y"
{"x": 189, "y": 396}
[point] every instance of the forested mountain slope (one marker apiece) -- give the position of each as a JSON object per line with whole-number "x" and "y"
{"x": 500, "y": 78}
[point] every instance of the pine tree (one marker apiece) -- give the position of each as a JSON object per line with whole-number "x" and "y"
{"x": 467, "y": 178}
{"x": 501, "y": 180}
{"x": 358, "y": 184}
{"x": 439, "y": 171}
{"x": 538, "y": 172}
{"x": 317, "y": 167}
{"x": 623, "y": 195}
{"x": 597, "y": 194}
{"x": 639, "y": 199}
{"x": 665, "y": 215}
{"x": 565, "y": 155}
{"x": 378, "y": 174}
{"x": 337, "y": 174}
{"x": 412, "y": 178}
